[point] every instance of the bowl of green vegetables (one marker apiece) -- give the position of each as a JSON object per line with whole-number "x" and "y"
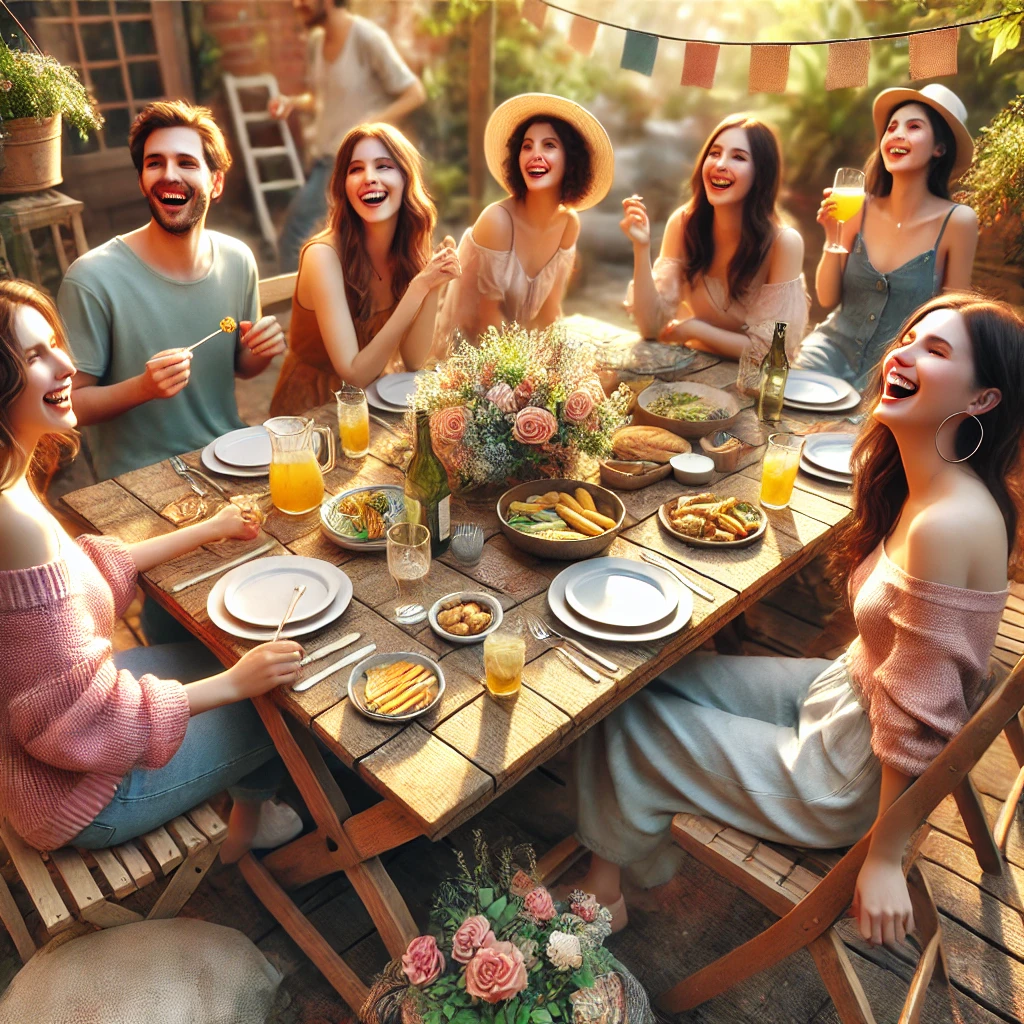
{"x": 687, "y": 408}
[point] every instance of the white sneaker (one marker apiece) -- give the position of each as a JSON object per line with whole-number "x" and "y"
{"x": 278, "y": 825}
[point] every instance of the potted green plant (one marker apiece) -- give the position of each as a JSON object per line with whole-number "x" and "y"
{"x": 36, "y": 94}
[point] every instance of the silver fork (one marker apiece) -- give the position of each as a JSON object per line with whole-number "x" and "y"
{"x": 179, "y": 466}
{"x": 541, "y": 631}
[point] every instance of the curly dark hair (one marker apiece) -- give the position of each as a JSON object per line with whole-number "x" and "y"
{"x": 579, "y": 167}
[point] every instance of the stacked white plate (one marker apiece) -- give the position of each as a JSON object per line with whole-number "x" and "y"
{"x": 827, "y": 457}
{"x": 249, "y": 601}
{"x": 244, "y": 452}
{"x": 620, "y": 600}
{"x": 811, "y": 391}
{"x": 391, "y": 393}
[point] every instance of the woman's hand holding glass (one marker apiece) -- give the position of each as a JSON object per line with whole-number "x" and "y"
{"x": 230, "y": 524}
{"x": 841, "y": 203}
{"x": 635, "y": 223}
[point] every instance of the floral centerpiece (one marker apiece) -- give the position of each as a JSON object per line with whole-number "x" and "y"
{"x": 522, "y": 405}
{"x": 501, "y": 950}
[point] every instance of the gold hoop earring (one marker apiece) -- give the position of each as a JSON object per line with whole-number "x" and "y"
{"x": 981, "y": 427}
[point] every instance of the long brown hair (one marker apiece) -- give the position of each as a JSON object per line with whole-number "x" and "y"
{"x": 878, "y": 178}
{"x": 760, "y": 219}
{"x": 44, "y": 460}
{"x": 413, "y": 242}
{"x": 879, "y": 481}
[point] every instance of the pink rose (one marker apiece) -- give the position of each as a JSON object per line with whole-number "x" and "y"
{"x": 578, "y": 406}
{"x": 539, "y": 905}
{"x": 473, "y": 933}
{"x": 448, "y": 425}
{"x": 501, "y": 395}
{"x": 586, "y": 908}
{"x": 523, "y": 392}
{"x": 521, "y": 884}
{"x": 496, "y": 972}
{"x": 422, "y": 961}
{"x": 534, "y": 426}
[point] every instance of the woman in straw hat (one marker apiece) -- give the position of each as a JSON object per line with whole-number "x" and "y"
{"x": 554, "y": 159}
{"x": 728, "y": 269}
{"x": 918, "y": 240}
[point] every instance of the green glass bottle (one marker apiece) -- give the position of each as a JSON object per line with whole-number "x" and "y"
{"x": 774, "y": 372}
{"x": 428, "y": 497}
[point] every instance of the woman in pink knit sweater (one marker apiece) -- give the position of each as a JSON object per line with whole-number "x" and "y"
{"x": 98, "y": 749}
{"x": 811, "y": 752}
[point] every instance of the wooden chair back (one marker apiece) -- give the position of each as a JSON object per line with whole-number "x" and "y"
{"x": 275, "y": 290}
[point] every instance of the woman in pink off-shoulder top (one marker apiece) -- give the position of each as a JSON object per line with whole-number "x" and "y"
{"x": 98, "y": 748}
{"x": 811, "y": 752}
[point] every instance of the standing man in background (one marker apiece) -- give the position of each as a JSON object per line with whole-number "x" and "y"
{"x": 354, "y": 75}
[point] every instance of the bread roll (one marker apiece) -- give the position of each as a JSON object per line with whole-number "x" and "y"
{"x": 648, "y": 443}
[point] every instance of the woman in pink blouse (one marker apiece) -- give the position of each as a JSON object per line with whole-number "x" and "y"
{"x": 98, "y": 748}
{"x": 809, "y": 752}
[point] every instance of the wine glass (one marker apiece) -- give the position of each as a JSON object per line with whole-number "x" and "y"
{"x": 408, "y": 547}
{"x": 848, "y": 196}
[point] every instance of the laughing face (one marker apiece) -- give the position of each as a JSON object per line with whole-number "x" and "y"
{"x": 44, "y": 404}
{"x": 728, "y": 170}
{"x": 176, "y": 180}
{"x": 374, "y": 183}
{"x": 908, "y": 142}
{"x": 542, "y": 158}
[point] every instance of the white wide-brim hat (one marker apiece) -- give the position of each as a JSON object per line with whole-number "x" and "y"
{"x": 945, "y": 103}
{"x": 513, "y": 112}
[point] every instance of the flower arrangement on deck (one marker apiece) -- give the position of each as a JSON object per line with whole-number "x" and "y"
{"x": 501, "y": 950}
{"x": 522, "y": 405}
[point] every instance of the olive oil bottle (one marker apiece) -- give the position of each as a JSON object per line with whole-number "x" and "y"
{"x": 427, "y": 495}
{"x": 774, "y": 372}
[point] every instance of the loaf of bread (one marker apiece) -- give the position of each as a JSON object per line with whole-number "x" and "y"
{"x": 649, "y": 443}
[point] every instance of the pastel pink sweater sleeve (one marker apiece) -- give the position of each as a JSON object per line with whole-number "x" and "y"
{"x": 116, "y": 565}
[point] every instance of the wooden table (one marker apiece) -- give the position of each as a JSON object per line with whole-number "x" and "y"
{"x": 440, "y": 770}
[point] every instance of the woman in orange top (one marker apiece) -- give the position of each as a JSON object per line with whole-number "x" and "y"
{"x": 366, "y": 295}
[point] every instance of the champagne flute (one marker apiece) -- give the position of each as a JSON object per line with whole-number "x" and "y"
{"x": 848, "y": 196}
{"x": 408, "y": 546}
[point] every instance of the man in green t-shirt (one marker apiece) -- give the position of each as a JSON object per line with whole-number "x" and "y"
{"x": 133, "y": 305}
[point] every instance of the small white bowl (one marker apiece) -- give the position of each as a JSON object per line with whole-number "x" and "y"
{"x": 492, "y": 604}
{"x": 692, "y": 468}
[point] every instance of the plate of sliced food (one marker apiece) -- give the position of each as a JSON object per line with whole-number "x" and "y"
{"x": 359, "y": 519}
{"x": 686, "y": 408}
{"x": 710, "y": 520}
{"x": 395, "y": 687}
{"x": 466, "y": 617}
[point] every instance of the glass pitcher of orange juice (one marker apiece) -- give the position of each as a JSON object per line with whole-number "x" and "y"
{"x": 296, "y": 474}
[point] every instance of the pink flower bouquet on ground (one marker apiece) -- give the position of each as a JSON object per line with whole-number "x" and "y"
{"x": 523, "y": 405}
{"x": 501, "y": 950}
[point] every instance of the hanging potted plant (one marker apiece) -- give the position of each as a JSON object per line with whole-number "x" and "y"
{"x": 36, "y": 94}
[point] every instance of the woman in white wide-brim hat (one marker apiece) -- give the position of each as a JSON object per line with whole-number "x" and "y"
{"x": 910, "y": 241}
{"x": 553, "y": 158}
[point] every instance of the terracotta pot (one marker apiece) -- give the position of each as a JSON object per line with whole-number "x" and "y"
{"x": 30, "y": 154}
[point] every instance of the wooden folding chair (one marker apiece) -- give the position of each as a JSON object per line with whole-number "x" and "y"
{"x": 94, "y": 881}
{"x": 811, "y": 892}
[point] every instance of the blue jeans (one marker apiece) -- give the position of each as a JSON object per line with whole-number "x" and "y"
{"x": 225, "y": 748}
{"x": 306, "y": 215}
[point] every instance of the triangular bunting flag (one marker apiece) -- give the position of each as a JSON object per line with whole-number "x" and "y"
{"x": 933, "y": 54}
{"x": 769, "y": 68}
{"x": 535, "y": 11}
{"x": 847, "y": 64}
{"x": 582, "y": 34}
{"x": 699, "y": 63}
{"x": 639, "y": 52}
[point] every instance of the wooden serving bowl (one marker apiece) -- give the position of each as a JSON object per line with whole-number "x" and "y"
{"x": 608, "y": 504}
{"x": 714, "y": 398}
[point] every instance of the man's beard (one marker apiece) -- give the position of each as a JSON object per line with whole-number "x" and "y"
{"x": 200, "y": 204}
{"x": 316, "y": 15}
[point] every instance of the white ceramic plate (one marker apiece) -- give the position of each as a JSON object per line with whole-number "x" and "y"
{"x": 850, "y": 402}
{"x": 260, "y": 591}
{"x": 830, "y": 451}
{"x": 352, "y": 543}
{"x": 357, "y": 683}
{"x": 396, "y": 388}
{"x": 248, "y": 448}
{"x": 492, "y": 604}
{"x": 374, "y": 400}
{"x": 220, "y": 616}
{"x": 626, "y": 596}
{"x": 565, "y": 614}
{"x": 813, "y": 388}
{"x": 700, "y": 542}
{"x": 211, "y": 462}
{"x": 824, "y": 474}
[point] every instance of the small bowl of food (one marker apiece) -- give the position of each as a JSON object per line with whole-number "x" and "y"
{"x": 465, "y": 617}
{"x": 687, "y": 408}
{"x": 395, "y": 687}
{"x": 692, "y": 468}
{"x": 564, "y": 519}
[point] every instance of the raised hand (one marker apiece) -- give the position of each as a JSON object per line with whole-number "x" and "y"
{"x": 827, "y": 210}
{"x": 166, "y": 373}
{"x": 265, "y": 338}
{"x": 443, "y": 266}
{"x": 635, "y": 223}
{"x": 281, "y": 107}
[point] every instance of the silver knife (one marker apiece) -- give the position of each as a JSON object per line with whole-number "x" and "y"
{"x": 593, "y": 676}
{"x": 221, "y": 568}
{"x": 349, "y": 659}
{"x": 349, "y": 638}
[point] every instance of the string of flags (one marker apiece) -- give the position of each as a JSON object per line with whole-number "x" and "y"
{"x": 932, "y": 52}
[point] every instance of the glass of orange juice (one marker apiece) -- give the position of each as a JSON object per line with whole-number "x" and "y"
{"x": 353, "y": 421}
{"x": 296, "y": 475}
{"x": 848, "y": 196}
{"x": 504, "y": 659}
{"x": 778, "y": 470}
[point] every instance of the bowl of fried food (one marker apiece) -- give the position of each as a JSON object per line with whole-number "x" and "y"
{"x": 395, "y": 687}
{"x": 709, "y": 521}
{"x": 465, "y": 617}
{"x": 564, "y": 519}
{"x": 687, "y": 408}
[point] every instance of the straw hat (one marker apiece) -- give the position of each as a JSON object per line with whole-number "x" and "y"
{"x": 512, "y": 113}
{"x": 945, "y": 103}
